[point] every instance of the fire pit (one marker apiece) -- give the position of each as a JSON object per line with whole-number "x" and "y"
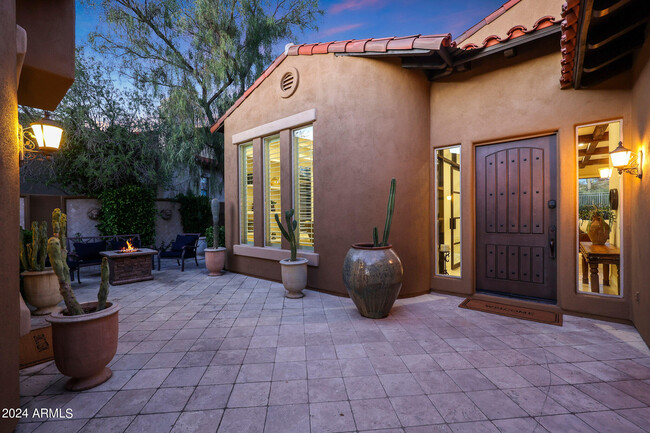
{"x": 129, "y": 264}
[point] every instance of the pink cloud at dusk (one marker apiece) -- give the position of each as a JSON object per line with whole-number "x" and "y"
{"x": 352, "y": 5}
{"x": 340, "y": 29}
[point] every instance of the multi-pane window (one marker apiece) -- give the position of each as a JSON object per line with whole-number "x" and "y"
{"x": 303, "y": 185}
{"x": 272, "y": 195}
{"x": 247, "y": 216}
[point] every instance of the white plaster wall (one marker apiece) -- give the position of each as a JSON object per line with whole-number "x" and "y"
{"x": 78, "y": 221}
{"x": 166, "y": 230}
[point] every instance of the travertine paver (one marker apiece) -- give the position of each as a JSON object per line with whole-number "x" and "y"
{"x": 232, "y": 355}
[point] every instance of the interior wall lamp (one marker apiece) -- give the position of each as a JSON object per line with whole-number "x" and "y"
{"x": 41, "y": 139}
{"x": 626, "y": 161}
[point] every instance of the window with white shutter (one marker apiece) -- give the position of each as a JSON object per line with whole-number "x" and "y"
{"x": 303, "y": 185}
{"x": 246, "y": 194}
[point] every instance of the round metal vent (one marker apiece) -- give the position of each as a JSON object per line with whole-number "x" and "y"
{"x": 288, "y": 82}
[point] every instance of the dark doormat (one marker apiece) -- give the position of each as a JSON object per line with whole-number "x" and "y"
{"x": 526, "y": 313}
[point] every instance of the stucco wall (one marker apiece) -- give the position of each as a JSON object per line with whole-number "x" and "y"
{"x": 78, "y": 220}
{"x": 9, "y": 214}
{"x": 639, "y": 195}
{"x": 371, "y": 125}
{"x": 166, "y": 230}
{"x": 516, "y": 98}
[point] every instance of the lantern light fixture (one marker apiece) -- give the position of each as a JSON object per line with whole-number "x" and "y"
{"x": 605, "y": 173}
{"x": 42, "y": 138}
{"x": 626, "y": 161}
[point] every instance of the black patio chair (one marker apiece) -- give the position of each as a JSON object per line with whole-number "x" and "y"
{"x": 184, "y": 247}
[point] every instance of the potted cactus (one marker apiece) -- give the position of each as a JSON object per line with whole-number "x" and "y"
{"x": 215, "y": 254}
{"x": 372, "y": 272}
{"x": 84, "y": 336}
{"x": 40, "y": 285}
{"x": 294, "y": 269}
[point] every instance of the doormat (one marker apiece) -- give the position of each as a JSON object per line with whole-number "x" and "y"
{"x": 36, "y": 347}
{"x": 525, "y": 313}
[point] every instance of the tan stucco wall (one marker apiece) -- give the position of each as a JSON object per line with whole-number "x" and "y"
{"x": 9, "y": 215}
{"x": 639, "y": 195}
{"x": 520, "y": 99}
{"x": 524, "y": 13}
{"x": 371, "y": 125}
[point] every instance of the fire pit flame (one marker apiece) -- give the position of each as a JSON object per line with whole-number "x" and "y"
{"x": 129, "y": 248}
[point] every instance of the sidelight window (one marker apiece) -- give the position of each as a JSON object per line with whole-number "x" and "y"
{"x": 448, "y": 211}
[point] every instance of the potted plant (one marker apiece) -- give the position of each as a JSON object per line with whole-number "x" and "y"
{"x": 40, "y": 285}
{"x": 294, "y": 269}
{"x": 597, "y": 229}
{"x": 372, "y": 272}
{"x": 215, "y": 254}
{"x": 84, "y": 336}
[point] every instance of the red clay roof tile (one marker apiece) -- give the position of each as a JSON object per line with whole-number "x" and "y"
{"x": 570, "y": 13}
{"x": 513, "y": 33}
{"x": 485, "y": 21}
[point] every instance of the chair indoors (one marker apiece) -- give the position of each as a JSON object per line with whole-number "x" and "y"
{"x": 184, "y": 247}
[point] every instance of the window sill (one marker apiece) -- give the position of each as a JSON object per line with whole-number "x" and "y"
{"x": 269, "y": 253}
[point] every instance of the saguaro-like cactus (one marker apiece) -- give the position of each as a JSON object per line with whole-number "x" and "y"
{"x": 58, "y": 257}
{"x": 215, "y": 205}
{"x": 32, "y": 255}
{"x": 290, "y": 232}
{"x": 389, "y": 218}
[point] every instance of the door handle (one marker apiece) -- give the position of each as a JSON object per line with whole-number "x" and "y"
{"x": 551, "y": 242}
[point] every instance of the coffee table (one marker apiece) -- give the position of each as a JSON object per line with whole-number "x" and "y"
{"x": 130, "y": 267}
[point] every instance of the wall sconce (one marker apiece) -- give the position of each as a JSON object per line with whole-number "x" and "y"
{"x": 43, "y": 140}
{"x": 605, "y": 173}
{"x": 626, "y": 161}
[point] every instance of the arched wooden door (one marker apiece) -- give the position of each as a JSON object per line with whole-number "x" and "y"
{"x": 516, "y": 241}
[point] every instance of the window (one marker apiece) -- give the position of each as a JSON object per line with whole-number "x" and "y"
{"x": 272, "y": 195}
{"x": 246, "y": 194}
{"x": 447, "y": 199}
{"x": 303, "y": 185}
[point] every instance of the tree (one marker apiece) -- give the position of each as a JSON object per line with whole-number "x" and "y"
{"x": 112, "y": 135}
{"x": 197, "y": 56}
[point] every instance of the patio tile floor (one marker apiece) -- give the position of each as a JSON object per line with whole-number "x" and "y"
{"x": 232, "y": 355}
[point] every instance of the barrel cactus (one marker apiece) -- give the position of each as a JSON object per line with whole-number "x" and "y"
{"x": 56, "y": 250}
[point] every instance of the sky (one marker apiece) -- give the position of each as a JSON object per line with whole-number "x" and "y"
{"x": 360, "y": 19}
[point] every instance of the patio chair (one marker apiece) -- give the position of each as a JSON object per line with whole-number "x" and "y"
{"x": 184, "y": 247}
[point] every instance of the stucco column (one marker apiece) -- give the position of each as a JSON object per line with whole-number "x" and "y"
{"x": 9, "y": 215}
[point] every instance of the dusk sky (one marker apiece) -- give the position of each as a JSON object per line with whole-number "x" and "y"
{"x": 359, "y": 19}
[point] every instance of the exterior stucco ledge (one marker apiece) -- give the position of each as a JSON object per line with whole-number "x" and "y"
{"x": 269, "y": 253}
{"x": 292, "y": 121}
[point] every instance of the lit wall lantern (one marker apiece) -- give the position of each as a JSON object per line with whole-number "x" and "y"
{"x": 605, "y": 173}
{"x": 626, "y": 161}
{"x": 43, "y": 140}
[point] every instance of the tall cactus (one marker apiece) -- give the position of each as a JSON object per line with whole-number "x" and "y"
{"x": 32, "y": 255}
{"x": 23, "y": 251}
{"x": 42, "y": 245}
{"x": 58, "y": 257}
{"x": 215, "y": 205}
{"x": 389, "y": 218}
{"x": 290, "y": 232}
{"x": 32, "y": 250}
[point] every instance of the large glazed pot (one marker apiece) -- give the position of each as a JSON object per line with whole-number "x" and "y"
{"x": 294, "y": 277}
{"x": 215, "y": 260}
{"x": 598, "y": 230}
{"x": 373, "y": 277}
{"x": 42, "y": 291}
{"x": 85, "y": 344}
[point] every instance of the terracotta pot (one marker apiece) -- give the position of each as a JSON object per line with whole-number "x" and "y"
{"x": 42, "y": 291}
{"x": 85, "y": 344}
{"x": 373, "y": 277}
{"x": 598, "y": 230}
{"x": 25, "y": 317}
{"x": 215, "y": 259}
{"x": 294, "y": 277}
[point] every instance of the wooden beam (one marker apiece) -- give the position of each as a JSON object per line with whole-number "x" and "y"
{"x": 598, "y": 151}
{"x": 596, "y": 162}
{"x": 590, "y": 137}
{"x": 597, "y": 136}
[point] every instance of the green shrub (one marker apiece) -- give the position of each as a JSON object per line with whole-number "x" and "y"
{"x": 196, "y": 213}
{"x": 210, "y": 239}
{"x": 128, "y": 209}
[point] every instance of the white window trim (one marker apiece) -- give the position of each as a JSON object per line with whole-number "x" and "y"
{"x": 270, "y": 253}
{"x": 271, "y": 128}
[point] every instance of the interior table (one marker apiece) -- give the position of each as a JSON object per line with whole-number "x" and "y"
{"x": 129, "y": 267}
{"x": 594, "y": 255}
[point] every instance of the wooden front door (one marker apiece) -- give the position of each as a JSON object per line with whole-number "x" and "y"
{"x": 516, "y": 240}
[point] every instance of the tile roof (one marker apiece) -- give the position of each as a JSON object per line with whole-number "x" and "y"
{"x": 570, "y": 13}
{"x": 487, "y": 20}
{"x": 513, "y": 33}
{"x": 375, "y": 46}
